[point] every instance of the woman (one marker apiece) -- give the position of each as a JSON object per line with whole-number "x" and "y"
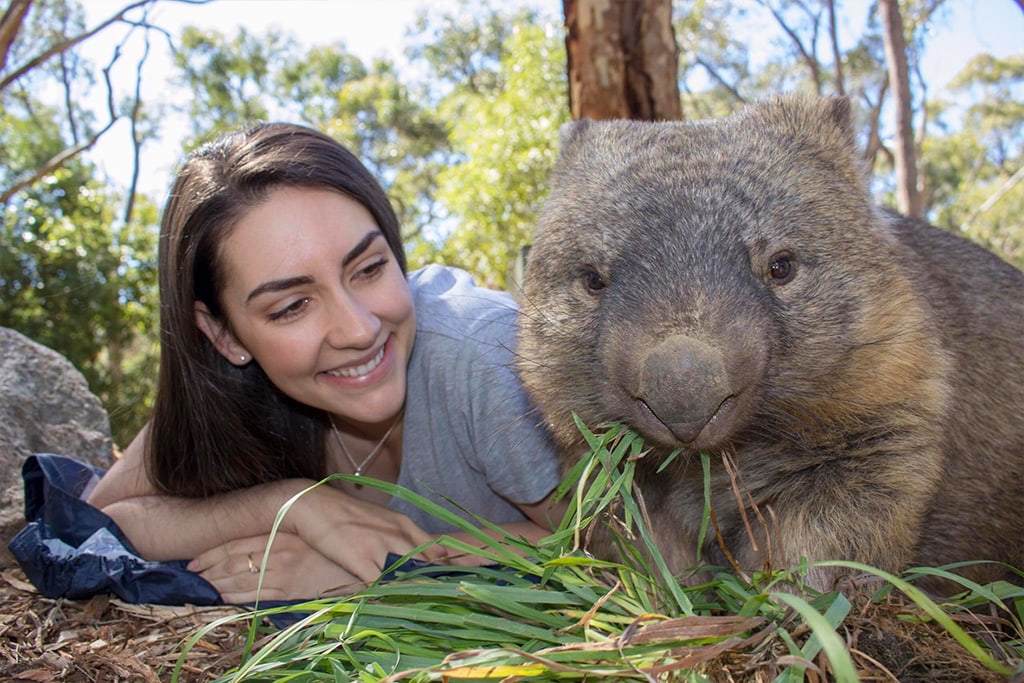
{"x": 294, "y": 346}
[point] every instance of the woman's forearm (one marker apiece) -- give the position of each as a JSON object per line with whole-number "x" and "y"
{"x": 169, "y": 528}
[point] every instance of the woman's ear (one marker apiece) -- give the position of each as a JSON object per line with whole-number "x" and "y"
{"x": 220, "y": 336}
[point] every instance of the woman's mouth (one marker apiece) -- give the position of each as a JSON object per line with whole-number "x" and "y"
{"x": 360, "y": 370}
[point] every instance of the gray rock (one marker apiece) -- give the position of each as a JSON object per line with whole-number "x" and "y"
{"x": 45, "y": 407}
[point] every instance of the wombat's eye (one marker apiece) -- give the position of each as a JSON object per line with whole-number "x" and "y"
{"x": 593, "y": 282}
{"x": 782, "y": 268}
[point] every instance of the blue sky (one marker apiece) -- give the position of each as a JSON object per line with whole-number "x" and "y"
{"x": 373, "y": 28}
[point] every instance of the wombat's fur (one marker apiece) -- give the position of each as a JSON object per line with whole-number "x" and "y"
{"x": 730, "y": 287}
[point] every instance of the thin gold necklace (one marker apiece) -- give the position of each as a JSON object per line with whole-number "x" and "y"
{"x": 359, "y": 467}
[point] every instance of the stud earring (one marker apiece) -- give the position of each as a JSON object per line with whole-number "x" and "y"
{"x": 242, "y": 358}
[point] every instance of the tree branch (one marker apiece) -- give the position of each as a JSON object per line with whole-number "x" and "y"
{"x": 809, "y": 59}
{"x": 10, "y": 24}
{"x": 717, "y": 77}
{"x": 995, "y": 197}
{"x": 136, "y": 138}
{"x": 71, "y": 42}
{"x": 874, "y": 143}
{"x": 65, "y": 78}
{"x": 53, "y": 164}
{"x": 78, "y": 147}
{"x": 66, "y": 45}
{"x": 837, "y": 58}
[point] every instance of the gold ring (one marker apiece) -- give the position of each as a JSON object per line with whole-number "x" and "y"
{"x": 253, "y": 569}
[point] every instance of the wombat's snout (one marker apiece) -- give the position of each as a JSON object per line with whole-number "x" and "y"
{"x": 683, "y": 386}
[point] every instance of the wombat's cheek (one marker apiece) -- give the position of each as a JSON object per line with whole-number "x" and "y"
{"x": 683, "y": 391}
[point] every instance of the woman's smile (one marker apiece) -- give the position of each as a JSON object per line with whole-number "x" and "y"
{"x": 364, "y": 372}
{"x": 359, "y": 370}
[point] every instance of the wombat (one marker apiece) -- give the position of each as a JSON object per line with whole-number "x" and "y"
{"x": 730, "y": 287}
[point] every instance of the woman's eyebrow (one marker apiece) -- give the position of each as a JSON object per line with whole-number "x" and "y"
{"x": 288, "y": 283}
{"x": 363, "y": 245}
{"x": 279, "y": 286}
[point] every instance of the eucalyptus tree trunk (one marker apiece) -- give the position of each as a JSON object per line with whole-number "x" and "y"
{"x": 622, "y": 59}
{"x": 908, "y": 195}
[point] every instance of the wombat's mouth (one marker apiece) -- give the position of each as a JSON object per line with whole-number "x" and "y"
{"x": 700, "y": 434}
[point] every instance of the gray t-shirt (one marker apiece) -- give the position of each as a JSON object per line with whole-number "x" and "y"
{"x": 470, "y": 432}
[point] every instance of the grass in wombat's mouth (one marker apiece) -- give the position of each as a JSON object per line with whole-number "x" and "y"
{"x": 550, "y": 612}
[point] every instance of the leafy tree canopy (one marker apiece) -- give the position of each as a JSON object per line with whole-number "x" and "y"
{"x": 462, "y": 140}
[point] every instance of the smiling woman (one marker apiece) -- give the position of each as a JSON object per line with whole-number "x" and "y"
{"x": 294, "y": 346}
{"x": 319, "y": 313}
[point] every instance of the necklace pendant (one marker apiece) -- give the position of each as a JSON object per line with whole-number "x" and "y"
{"x": 357, "y": 468}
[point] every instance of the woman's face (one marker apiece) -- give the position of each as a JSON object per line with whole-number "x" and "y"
{"x": 315, "y": 296}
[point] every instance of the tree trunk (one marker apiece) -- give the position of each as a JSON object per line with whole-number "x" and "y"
{"x": 908, "y": 196}
{"x": 622, "y": 59}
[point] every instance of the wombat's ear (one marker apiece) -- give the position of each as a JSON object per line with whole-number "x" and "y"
{"x": 816, "y": 122}
{"x": 838, "y": 109}
{"x": 571, "y": 131}
{"x": 826, "y": 119}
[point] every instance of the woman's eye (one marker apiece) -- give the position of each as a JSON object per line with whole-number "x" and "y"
{"x": 373, "y": 269}
{"x": 291, "y": 310}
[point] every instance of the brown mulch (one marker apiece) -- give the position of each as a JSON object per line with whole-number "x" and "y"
{"x": 107, "y": 640}
{"x": 884, "y": 640}
{"x": 887, "y": 643}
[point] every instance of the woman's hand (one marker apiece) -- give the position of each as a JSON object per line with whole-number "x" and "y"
{"x": 355, "y": 534}
{"x": 294, "y": 570}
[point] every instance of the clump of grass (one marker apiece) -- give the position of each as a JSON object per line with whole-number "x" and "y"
{"x": 550, "y": 612}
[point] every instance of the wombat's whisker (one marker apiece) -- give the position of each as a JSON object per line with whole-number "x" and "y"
{"x": 529, "y": 310}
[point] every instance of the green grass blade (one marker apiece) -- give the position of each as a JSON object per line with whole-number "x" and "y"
{"x": 931, "y": 609}
{"x": 825, "y": 638}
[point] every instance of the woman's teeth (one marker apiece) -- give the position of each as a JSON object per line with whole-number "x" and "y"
{"x": 359, "y": 370}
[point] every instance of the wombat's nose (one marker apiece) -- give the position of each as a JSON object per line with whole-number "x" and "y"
{"x": 684, "y": 383}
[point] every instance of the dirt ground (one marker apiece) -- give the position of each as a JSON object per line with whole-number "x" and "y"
{"x": 109, "y": 641}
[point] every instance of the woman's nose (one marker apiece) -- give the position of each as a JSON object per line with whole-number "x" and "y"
{"x": 351, "y": 324}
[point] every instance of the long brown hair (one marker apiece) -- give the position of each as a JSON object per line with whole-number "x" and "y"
{"x": 217, "y": 427}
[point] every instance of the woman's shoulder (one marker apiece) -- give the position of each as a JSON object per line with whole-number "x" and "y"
{"x": 449, "y": 303}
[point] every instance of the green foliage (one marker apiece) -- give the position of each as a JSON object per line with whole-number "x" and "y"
{"x": 975, "y": 172}
{"x": 402, "y": 142}
{"x": 228, "y": 77}
{"x": 31, "y": 129}
{"x": 26, "y": 141}
{"x": 509, "y": 145}
{"x": 261, "y": 77}
{"x": 72, "y": 277}
{"x": 550, "y": 612}
{"x": 463, "y": 47}
{"x": 313, "y": 82}
{"x": 72, "y": 282}
{"x": 463, "y": 142}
